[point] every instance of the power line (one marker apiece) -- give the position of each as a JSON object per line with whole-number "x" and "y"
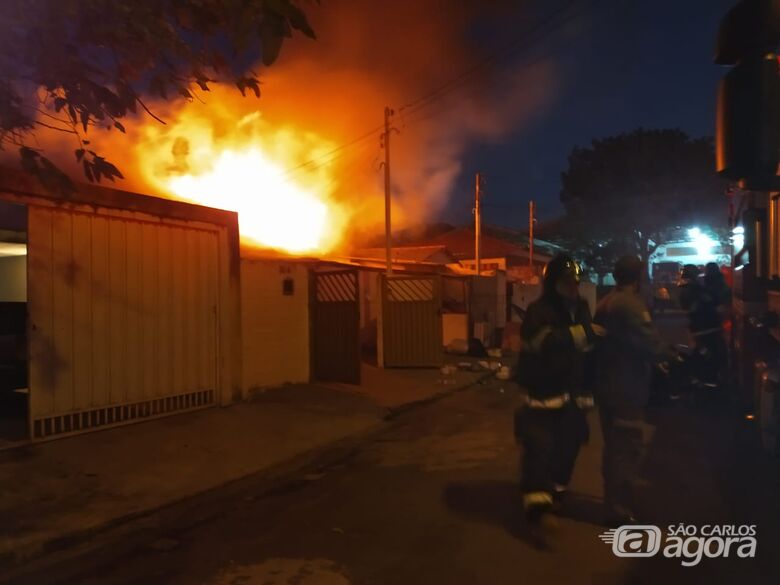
{"x": 424, "y": 100}
{"x": 338, "y": 149}
{"x": 526, "y": 40}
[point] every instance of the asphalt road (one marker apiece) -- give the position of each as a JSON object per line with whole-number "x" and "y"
{"x": 434, "y": 498}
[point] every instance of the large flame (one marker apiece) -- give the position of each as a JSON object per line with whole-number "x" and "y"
{"x": 252, "y": 168}
{"x": 220, "y": 151}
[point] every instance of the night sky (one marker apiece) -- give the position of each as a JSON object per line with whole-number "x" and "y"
{"x": 633, "y": 63}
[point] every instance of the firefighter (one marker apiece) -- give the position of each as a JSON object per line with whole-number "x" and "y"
{"x": 557, "y": 334}
{"x": 703, "y": 303}
{"x": 720, "y": 295}
{"x": 623, "y": 382}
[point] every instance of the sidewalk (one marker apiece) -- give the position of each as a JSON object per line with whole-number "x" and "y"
{"x": 74, "y": 487}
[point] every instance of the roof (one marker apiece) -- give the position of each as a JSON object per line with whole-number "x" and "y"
{"x": 460, "y": 243}
{"x": 24, "y": 185}
{"x": 398, "y": 266}
{"x": 251, "y": 252}
{"x": 436, "y": 254}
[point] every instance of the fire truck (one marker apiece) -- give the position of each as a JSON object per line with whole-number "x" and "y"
{"x": 748, "y": 154}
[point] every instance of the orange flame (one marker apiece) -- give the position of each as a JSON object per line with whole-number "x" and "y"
{"x": 249, "y": 167}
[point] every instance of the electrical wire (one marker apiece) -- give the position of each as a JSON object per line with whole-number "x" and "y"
{"x": 325, "y": 157}
{"x": 438, "y": 93}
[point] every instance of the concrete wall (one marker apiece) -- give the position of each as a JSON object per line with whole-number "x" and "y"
{"x": 369, "y": 308}
{"x": 454, "y": 326}
{"x": 488, "y": 306}
{"x": 13, "y": 279}
{"x": 275, "y": 326}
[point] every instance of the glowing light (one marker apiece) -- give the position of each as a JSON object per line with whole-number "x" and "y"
{"x": 738, "y": 238}
{"x": 702, "y": 242}
{"x": 750, "y": 416}
{"x": 12, "y": 249}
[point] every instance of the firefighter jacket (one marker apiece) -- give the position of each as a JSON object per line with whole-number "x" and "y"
{"x": 625, "y": 355}
{"x": 553, "y": 364}
{"x": 702, "y": 307}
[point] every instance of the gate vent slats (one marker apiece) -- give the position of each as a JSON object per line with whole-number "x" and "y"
{"x": 335, "y": 288}
{"x": 410, "y": 290}
{"x": 110, "y": 416}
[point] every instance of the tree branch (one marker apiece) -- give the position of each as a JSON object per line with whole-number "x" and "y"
{"x": 49, "y": 126}
{"x": 148, "y": 111}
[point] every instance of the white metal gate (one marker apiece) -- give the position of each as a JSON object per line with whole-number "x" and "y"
{"x": 123, "y": 319}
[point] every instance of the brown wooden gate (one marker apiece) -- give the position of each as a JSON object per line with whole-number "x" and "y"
{"x": 336, "y": 326}
{"x": 411, "y": 321}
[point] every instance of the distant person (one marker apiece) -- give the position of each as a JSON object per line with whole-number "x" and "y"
{"x": 557, "y": 335}
{"x": 715, "y": 285}
{"x": 720, "y": 297}
{"x": 705, "y": 302}
{"x": 622, "y": 385}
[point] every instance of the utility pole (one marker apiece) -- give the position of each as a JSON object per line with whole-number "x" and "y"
{"x": 388, "y": 223}
{"x": 531, "y": 209}
{"x": 478, "y": 226}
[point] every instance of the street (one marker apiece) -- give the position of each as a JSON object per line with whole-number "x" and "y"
{"x": 433, "y": 498}
{"x": 284, "y": 337}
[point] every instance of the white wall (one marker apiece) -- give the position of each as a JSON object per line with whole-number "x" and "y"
{"x": 13, "y": 279}
{"x": 275, "y": 327}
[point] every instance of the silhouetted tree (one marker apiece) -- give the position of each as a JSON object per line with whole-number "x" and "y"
{"x": 628, "y": 193}
{"x": 72, "y": 65}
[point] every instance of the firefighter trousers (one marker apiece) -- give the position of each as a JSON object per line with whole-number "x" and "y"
{"x": 551, "y": 440}
{"x": 624, "y": 450}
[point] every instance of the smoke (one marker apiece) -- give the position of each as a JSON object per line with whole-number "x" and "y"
{"x": 375, "y": 54}
{"x": 321, "y": 95}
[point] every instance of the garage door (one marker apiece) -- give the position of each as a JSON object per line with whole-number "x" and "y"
{"x": 123, "y": 319}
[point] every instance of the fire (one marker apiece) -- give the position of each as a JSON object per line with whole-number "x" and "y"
{"x": 251, "y": 167}
{"x": 279, "y": 214}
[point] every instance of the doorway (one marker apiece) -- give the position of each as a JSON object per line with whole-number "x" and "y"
{"x": 13, "y": 324}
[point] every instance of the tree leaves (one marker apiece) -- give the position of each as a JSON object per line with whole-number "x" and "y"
{"x": 95, "y": 59}
{"x": 635, "y": 187}
{"x": 245, "y": 83}
{"x": 292, "y": 14}
{"x": 49, "y": 175}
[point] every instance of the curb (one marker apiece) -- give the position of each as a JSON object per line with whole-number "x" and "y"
{"x": 134, "y": 528}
